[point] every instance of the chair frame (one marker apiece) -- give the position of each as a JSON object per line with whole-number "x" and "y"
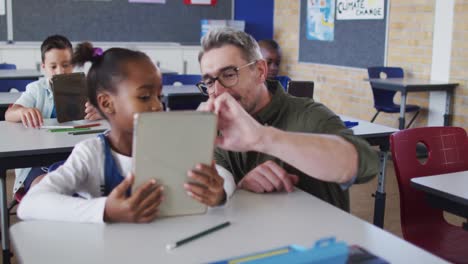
{"x": 391, "y": 72}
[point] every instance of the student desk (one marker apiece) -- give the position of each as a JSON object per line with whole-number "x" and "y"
{"x": 408, "y": 85}
{"x": 22, "y": 147}
{"x": 180, "y": 89}
{"x": 376, "y": 135}
{"x": 167, "y": 71}
{"x": 17, "y": 79}
{"x": 182, "y": 97}
{"x": 258, "y": 222}
{"x": 20, "y": 74}
{"x": 446, "y": 191}
{"x": 6, "y": 99}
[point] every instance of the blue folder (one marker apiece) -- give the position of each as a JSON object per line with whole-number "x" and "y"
{"x": 350, "y": 124}
{"x": 326, "y": 250}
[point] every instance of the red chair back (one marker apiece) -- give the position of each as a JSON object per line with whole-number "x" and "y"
{"x": 447, "y": 152}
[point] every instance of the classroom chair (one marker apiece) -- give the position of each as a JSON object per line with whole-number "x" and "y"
{"x": 301, "y": 88}
{"x": 180, "y": 79}
{"x": 7, "y": 66}
{"x": 383, "y": 99}
{"x": 284, "y": 80}
{"x": 5, "y": 84}
{"x": 422, "y": 224}
{"x": 9, "y": 85}
{"x": 184, "y": 101}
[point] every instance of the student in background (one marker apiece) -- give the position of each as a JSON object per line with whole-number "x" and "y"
{"x": 37, "y": 102}
{"x": 271, "y": 53}
{"x": 271, "y": 141}
{"x": 121, "y": 83}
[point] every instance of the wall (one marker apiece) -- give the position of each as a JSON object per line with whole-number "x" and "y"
{"x": 342, "y": 88}
{"x": 459, "y": 63}
{"x": 259, "y": 24}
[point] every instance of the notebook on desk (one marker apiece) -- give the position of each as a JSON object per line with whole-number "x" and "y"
{"x": 70, "y": 96}
{"x": 166, "y": 145}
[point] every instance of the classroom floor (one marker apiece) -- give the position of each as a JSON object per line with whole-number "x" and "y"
{"x": 362, "y": 202}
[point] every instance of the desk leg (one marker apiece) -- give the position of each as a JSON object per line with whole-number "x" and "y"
{"x": 5, "y": 223}
{"x": 448, "y": 103}
{"x": 380, "y": 195}
{"x": 401, "y": 120}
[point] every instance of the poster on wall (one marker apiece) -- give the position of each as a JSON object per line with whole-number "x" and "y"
{"x": 360, "y": 9}
{"x": 320, "y": 20}
{"x": 209, "y": 24}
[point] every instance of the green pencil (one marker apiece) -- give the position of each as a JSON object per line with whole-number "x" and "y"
{"x": 197, "y": 235}
{"x": 87, "y": 132}
{"x": 68, "y": 129}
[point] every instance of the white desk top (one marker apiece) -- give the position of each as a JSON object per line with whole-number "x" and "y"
{"x": 20, "y": 74}
{"x": 8, "y": 98}
{"x": 180, "y": 89}
{"x": 258, "y": 222}
{"x": 452, "y": 186}
{"x": 167, "y": 71}
{"x": 409, "y": 81}
{"x": 15, "y": 139}
{"x": 365, "y": 128}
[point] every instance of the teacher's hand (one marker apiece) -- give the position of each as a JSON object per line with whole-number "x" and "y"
{"x": 238, "y": 131}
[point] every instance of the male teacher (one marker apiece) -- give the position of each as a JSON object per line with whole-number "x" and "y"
{"x": 271, "y": 141}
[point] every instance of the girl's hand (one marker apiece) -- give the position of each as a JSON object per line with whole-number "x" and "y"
{"x": 91, "y": 112}
{"x": 31, "y": 117}
{"x": 208, "y": 186}
{"x": 140, "y": 207}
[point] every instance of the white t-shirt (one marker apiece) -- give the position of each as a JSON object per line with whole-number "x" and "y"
{"x": 82, "y": 173}
{"x": 39, "y": 95}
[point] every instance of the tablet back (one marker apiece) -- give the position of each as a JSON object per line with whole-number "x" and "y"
{"x": 70, "y": 96}
{"x": 166, "y": 145}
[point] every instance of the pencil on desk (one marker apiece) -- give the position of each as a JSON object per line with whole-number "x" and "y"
{"x": 88, "y": 125}
{"x": 55, "y": 127}
{"x": 87, "y": 132}
{"x": 197, "y": 235}
{"x": 69, "y": 129}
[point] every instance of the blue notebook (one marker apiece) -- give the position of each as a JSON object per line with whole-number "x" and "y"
{"x": 350, "y": 124}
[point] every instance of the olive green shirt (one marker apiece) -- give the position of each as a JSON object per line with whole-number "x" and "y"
{"x": 296, "y": 114}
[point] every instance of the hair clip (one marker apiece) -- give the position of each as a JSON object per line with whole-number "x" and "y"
{"x": 97, "y": 52}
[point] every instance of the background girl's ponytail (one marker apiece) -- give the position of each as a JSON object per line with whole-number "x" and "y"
{"x": 83, "y": 53}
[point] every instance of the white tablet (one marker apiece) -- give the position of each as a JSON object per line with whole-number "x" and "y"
{"x": 166, "y": 145}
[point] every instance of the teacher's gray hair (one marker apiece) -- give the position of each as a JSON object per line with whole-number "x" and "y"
{"x": 220, "y": 37}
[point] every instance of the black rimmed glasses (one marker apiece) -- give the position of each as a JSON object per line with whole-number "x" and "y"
{"x": 228, "y": 77}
